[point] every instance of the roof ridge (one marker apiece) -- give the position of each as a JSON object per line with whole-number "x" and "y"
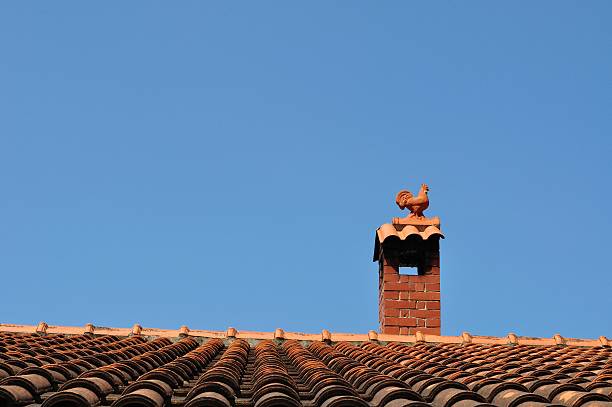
{"x": 325, "y": 335}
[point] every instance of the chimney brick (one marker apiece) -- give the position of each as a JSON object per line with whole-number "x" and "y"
{"x": 409, "y": 303}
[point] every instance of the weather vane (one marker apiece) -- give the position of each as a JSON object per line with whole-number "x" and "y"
{"x": 416, "y": 204}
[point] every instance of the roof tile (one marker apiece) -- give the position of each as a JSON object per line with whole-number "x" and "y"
{"x": 191, "y": 369}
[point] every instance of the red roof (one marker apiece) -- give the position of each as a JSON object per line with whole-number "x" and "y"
{"x": 97, "y": 366}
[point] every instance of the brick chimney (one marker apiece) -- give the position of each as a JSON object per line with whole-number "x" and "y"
{"x": 408, "y": 255}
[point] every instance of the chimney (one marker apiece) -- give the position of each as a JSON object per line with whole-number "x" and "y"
{"x": 408, "y": 254}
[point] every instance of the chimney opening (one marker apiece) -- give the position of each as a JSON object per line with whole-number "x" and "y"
{"x": 408, "y": 271}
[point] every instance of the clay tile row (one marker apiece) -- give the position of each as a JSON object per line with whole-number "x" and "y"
{"x": 156, "y": 387}
{"x": 91, "y": 371}
{"x": 28, "y": 381}
{"x": 375, "y": 387}
{"x": 220, "y": 384}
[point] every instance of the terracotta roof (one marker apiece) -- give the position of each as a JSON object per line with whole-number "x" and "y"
{"x": 98, "y": 366}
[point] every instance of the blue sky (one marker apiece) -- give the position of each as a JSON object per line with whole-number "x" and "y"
{"x": 226, "y": 164}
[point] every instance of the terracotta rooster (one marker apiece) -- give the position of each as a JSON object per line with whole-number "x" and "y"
{"x": 416, "y": 204}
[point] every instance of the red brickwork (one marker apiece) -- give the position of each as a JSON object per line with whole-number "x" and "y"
{"x": 409, "y": 303}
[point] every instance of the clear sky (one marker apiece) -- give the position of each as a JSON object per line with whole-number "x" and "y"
{"x": 222, "y": 164}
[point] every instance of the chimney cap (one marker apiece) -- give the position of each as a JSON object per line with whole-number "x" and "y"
{"x": 401, "y": 230}
{"x": 403, "y": 235}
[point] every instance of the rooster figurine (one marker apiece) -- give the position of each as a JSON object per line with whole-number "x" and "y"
{"x": 416, "y": 204}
